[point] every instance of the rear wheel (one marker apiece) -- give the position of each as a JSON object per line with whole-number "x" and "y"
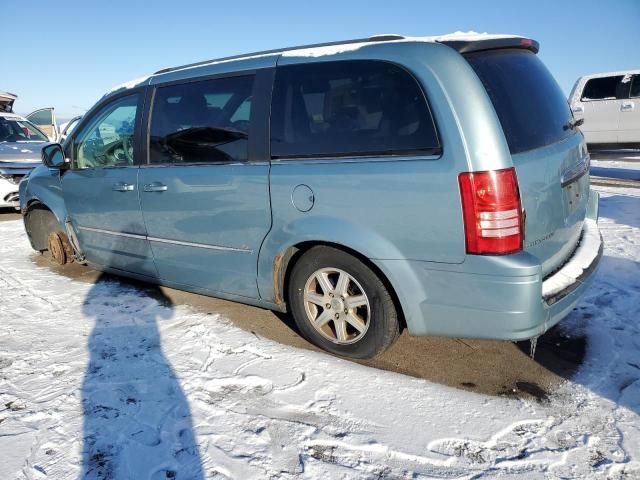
{"x": 341, "y": 305}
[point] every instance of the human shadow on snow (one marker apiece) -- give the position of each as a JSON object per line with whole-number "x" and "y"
{"x": 137, "y": 420}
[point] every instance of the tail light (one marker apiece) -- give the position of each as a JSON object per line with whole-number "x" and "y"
{"x": 492, "y": 212}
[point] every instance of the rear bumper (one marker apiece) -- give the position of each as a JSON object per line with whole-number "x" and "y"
{"x": 494, "y": 297}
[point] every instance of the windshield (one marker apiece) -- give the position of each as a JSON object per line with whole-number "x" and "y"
{"x": 530, "y": 105}
{"x": 14, "y": 129}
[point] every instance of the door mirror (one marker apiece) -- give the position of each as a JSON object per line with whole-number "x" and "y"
{"x": 53, "y": 156}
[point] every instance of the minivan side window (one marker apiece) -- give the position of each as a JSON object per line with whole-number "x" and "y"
{"x": 107, "y": 141}
{"x": 201, "y": 122}
{"x": 605, "y": 88}
{"x": 349, "y": 108}
{"x": 635, "y": 87}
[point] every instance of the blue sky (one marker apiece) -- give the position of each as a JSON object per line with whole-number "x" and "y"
{"x": 66, "y": 54}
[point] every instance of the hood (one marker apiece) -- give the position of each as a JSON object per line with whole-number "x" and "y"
{"x": 21, "y": 152}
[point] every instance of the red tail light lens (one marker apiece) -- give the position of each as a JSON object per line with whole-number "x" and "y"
{"x": 492, "y": 212}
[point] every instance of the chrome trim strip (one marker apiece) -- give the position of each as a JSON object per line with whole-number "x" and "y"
{"x": 232, "y": 163}
{"x": 199, "y": 245}
{"x": 575, "y": 171}
{"x": 355, "y": 159}
{"x": 164, "y": 240}
{"x": 111, "y": 232}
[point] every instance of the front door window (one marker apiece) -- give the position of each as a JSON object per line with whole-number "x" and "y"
{"x": 108, "y": 140}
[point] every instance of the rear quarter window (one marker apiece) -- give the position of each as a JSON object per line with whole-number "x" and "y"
{"x": 349, "y": 108}
{"x": 531, "y": 107}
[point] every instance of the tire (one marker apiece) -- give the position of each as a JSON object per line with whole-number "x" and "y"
{"x": 354, "y": 316}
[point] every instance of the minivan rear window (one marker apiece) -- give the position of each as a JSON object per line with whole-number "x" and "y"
{"x": 530, "y": 105}
{"x": 349, "y": 108}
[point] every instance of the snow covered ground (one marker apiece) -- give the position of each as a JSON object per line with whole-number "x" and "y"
{"x": 111, "y": 381}
{"x": 623, "y": 165}
{"x": 622, "y": 169}
{"x": 633, "y": 165}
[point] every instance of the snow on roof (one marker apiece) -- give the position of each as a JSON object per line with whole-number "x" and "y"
{"x": 334, "y": 49}
{"x": 325, "y": 50}
{"x": 459, "y": 36}
{"x": 349, "y": 47}
{"x": 129, "y": 85}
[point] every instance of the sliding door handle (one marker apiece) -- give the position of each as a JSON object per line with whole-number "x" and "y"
{"x": 122, "y": 187}
{"x": 155, "y": 187}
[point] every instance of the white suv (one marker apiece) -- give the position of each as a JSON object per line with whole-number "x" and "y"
{"x": 609, "y": 103}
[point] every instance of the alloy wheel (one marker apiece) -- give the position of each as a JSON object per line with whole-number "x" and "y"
{"x": 337, "y": 306}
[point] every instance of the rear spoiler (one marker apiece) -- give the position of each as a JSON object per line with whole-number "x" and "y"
{"x": 468, "y": 46}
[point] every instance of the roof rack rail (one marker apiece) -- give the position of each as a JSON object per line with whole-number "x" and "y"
{"x": 373, "y": 38}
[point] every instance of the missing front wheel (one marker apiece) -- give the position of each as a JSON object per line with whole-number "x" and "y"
{"x": 60, "y": 250}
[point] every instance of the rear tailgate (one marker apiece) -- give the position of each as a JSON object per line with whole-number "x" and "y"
{"x": 548, "y": 153}
{"x": 555, "y": 209}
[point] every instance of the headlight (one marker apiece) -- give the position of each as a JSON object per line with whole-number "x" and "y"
{"x": 15, "y": 179}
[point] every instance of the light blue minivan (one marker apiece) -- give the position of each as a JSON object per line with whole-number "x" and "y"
{"x": 436, "y": 184}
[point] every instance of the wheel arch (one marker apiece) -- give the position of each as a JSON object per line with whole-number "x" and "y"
{"x": 285, "y": 260}
{"x": 39, "y": 221}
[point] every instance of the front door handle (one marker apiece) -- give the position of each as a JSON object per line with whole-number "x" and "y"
{"x": 122, "y": 187}
{"x": 627, "y": 106}
{"x": 155, "y": 187}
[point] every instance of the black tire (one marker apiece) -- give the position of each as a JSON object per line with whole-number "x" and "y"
{"x": 383, "y": 326}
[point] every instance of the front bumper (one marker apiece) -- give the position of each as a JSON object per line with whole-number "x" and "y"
{"x": 11, "y": 174}
{"x": 494, "y": 297}
{"x": 9, "y": 194}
